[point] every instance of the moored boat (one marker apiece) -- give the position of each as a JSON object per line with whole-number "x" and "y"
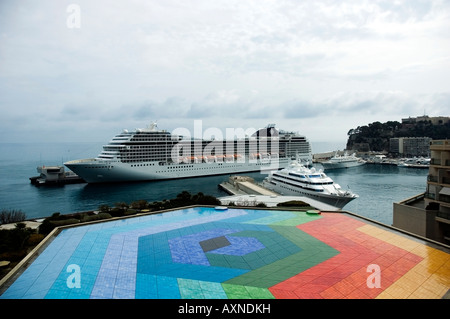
{"x": 342, "y": 161}
{"x": 299, "y": 180}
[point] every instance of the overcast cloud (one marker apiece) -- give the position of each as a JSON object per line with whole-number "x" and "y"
{"x": 319, "y": 67}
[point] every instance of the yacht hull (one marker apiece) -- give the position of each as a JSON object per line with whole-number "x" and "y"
{"x": 287, "y": 190}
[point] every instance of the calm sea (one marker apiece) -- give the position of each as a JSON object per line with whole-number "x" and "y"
{"x": 378, "y": 186}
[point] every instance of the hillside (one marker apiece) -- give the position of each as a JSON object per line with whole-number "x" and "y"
{"x": 375, "y": 136}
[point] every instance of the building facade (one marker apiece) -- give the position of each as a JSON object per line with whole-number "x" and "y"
{"x": 428, "y": 214}
{"x": 410, "y": 146}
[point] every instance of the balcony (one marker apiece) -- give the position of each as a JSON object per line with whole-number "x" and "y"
{"x": 435, "y": 161}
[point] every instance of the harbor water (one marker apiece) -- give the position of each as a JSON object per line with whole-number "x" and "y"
{"x": 378, "y": 186}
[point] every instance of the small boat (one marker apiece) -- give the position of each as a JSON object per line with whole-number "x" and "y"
{"x": 415, "y": 163}
{"x": 55, "y": 175}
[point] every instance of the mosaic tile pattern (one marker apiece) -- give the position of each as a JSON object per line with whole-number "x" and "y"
{"x": 204, "y": 253}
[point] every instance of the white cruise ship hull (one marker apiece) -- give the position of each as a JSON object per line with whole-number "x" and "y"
{"x": 288, "y": 190}
{"x": 104, "y": 171}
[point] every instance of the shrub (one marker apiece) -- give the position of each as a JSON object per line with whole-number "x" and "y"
{"x": 104, "y": 208}
{"x": 140, "y": 204}
{"x": 130, "y": 211}
{"x": 11, "y": 216}
{"x": 35, "y": 239}
{"x": 117, "y": 212}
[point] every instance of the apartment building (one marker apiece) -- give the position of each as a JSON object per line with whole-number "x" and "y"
{"x": 428, "y": 214}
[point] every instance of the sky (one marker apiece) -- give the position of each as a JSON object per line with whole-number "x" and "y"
{"x": 80, "y": 71}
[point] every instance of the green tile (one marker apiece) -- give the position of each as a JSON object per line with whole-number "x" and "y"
{"x": 259, "y": 293}
{"x": 235, "y": 291}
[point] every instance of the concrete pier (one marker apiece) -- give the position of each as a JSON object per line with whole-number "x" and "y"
{"x": 244, "y": 185}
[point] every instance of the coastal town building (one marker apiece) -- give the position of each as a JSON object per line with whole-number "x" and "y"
{"x": 428, "y": 214}
{"x": 410, "y": 146}
{"x": 435, "y": 120}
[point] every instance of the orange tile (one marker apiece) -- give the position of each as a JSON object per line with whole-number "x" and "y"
{"x": 358, "y": 294}
{"x": 332, "y": 293}
{"x": 344, "y": 287}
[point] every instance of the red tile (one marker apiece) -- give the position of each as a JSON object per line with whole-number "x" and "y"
{"x": 401, "y": 266}
{"x": 413, "y": 257}
{"x": 308, "y": 295}
{"x": 325, "y": 281}
{"x": 358, "y": 278}
{"x": 383, "y": 261}
{"x": 312, "y": 288}
{"x": 282, "y": 294}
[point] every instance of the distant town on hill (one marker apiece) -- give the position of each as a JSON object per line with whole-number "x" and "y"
{"x": 376, "y": 136}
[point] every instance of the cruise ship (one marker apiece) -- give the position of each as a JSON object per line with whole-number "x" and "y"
{"x": 299, "y": 180}
{"x": 153, "y": 154}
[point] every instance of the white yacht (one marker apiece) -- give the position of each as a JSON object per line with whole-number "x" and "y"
{"x": 342, "y": 161}
{"x": 299, "y": 180}
{"x": 414, "y": 162}
{"x": 154, "y": 154}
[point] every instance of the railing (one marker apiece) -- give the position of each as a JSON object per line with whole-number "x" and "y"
{"x": 444, "y": 198}
{"x": 444, "y": 215}
{"x": 432, "y": 178}
{"x": 430, "y": 195}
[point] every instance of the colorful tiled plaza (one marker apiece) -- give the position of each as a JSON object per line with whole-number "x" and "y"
{"x": 235, "y": 253}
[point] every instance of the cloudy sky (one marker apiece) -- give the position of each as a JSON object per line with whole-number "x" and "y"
{"x": 319, "y": 67}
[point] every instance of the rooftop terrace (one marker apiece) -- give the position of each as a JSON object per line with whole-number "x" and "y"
{"x": 203, "y": 252}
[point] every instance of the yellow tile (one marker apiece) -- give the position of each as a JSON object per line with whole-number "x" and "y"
{"x": 415, "y": 277}
{"x": 435, "y": 285}
{"x": 422, "y": 269}
{"x": 397, "y": 291}
{"x": 369, "y": 229}
{"x": 422, "y": 250}
{"x": 431, "y": 265}
{"x": 423, "y": 293}
{"x": 384, "y": 295}
{"x": 444, "y": 272}
{"x": 409, "y": 283}
{"x": 409, "y": 245}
